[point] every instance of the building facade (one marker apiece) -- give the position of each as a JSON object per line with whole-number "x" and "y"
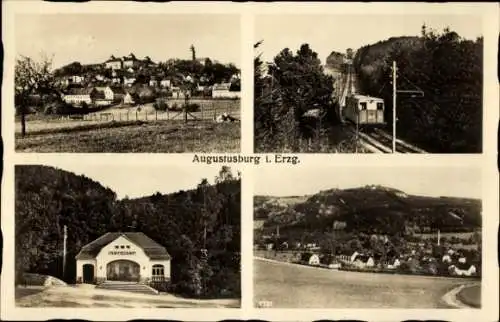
{"x": 78, "y": 96}
{"x": 127, "y": 256}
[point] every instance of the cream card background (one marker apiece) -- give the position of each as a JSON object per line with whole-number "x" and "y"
{"x": 486, "y": 161}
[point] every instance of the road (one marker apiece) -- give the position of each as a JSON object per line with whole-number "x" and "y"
{"x": 86, "y": 296}
{"x": 295, "y": 286}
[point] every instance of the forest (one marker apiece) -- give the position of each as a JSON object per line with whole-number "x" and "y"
{"x": 47, "y": 199}
{"x": 447, "y": 69}
{"x": 341, "y": 221}
{"x": 368, "y": 210}
{"x": 292, "y": 100}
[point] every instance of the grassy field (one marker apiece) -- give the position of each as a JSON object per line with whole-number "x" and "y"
{"x": 295, "y": 286}
{"x": 134, "y": 136}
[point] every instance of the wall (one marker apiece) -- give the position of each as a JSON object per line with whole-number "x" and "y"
{"x": 137, "y": 255}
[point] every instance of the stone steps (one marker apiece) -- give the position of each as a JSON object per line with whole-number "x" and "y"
{"x": 127, "y": 287}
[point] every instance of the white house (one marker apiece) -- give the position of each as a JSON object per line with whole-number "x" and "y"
{"x": 114, "y": 93}
{"x": 76, "y": 79}
{"x": 129, "y": 98}
{"x": 127, "y": 256}
{"x": 129, "y": 81}
{"x": 113, "y": 63}
{"x": 78, "y": 96}
{"x": 165, "y": 83}
{"x": 314, "y": 260}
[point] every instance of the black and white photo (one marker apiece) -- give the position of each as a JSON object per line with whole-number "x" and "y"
{"x": 127, "y": 83}
{"x": 368, "y": 83}
{"x": 368, "y": 237}
{"x": 86, "y": 238}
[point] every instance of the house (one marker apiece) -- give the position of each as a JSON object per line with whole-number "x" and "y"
{"x": 100, "y": 99}
{"x": 395, "y": 264}
{"x": 165, "y": 83}
{"x": 76, "y": 79}
{"x": 130, "y": 98}
{"x": 462, "y": 270}
{"x": 223, "y": 91}
{"x": 78, "y": 96}
{"x": 113, "y": 63}
{"x": 114, "y": 93}
{"x": 122, "y": 256}
{"x": 153, "y": 82}
{"x": 314, "y": 260}
{"x": 100, "y": 77}
{"x": 129, "y": 80}
{"x": 130, "y": 61}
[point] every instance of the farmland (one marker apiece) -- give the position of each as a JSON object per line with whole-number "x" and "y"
{"x": 294, "y": 286}
{"x": 172, "y": 136}
{"x": 140, "y": 128}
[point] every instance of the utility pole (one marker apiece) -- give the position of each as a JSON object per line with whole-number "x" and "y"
{"x": 394, "y": 90}
{"x": 439, "y": 237}
{"x": 65, "y": 238}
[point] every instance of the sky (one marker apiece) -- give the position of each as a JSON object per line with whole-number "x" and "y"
{"x": 138, "y": 181}
{"x": 93, "y": 38}
{"x": 435, "y": 181}
{"x": 327, "y": 33}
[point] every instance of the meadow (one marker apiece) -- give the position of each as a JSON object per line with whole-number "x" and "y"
{"x": 173, "y": 136}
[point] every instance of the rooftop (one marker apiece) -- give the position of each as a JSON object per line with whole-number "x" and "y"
{"x": 152, "y": 249}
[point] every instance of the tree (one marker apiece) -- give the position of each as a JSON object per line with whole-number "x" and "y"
{"x": 31, "y": 78}
{"x": 294, "y": 84}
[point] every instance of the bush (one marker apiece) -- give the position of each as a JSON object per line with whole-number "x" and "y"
{"x": 160, "y": 105}
{"x": 174, "y": 107}
{"x": 192, "y": 107}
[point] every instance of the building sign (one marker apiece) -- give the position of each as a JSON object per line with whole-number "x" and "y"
{"x": 122, "y": 252}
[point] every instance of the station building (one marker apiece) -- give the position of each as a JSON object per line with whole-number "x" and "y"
{"x": 122, "y": 256}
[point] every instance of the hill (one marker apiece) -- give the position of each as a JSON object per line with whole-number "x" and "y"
{"x": 335, "y": 61}
{"x": 369, "y": 209}
{"x": 448, "y": 69}
{"x": 48, "y": 198}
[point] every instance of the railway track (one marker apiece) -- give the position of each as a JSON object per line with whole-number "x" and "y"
{"x": 375, "y": 140}
{"x": 379, "y": 141}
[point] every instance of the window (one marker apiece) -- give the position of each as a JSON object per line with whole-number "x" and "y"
{"x": 128, "y": 246}
{"x": 122, "y": 247}
{"x": 362, "y": 105}
{"x": 158, "y": 270}
{"x": 380, "y": 106}
{"x": 117, "y": 246}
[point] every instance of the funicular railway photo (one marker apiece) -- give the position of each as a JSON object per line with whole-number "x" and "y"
{"x": 400, "y": 94}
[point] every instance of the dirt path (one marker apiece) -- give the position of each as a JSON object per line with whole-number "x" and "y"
{"x": 88, "y": 296}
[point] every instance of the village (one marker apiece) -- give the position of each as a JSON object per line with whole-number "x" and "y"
{"x": 130, "y": 80}
{"x": 441, "y": 256}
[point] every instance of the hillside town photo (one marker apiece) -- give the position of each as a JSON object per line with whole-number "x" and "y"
{"x": 86, "y": 238}
{"x": 401, "y": 84}
{"x": 368, "y": 238}
{"x": 159, "y": 83}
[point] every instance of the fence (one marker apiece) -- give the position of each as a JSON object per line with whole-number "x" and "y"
{"x": 208, "y": 109}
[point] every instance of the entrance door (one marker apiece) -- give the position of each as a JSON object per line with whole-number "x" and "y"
{"x": 88, "y": 273}
{"x": 123, "y": 270}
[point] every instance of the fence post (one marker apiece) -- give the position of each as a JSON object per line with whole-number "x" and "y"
{"x": 156, "y": 115}
{"x": 136, "y": 115}
{"x": 146, "y": 115}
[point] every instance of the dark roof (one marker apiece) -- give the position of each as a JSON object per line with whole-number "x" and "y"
{"x": 152, "y": 249}
{"x": 79, "y": 91}
{"x": 117, "y": 89}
